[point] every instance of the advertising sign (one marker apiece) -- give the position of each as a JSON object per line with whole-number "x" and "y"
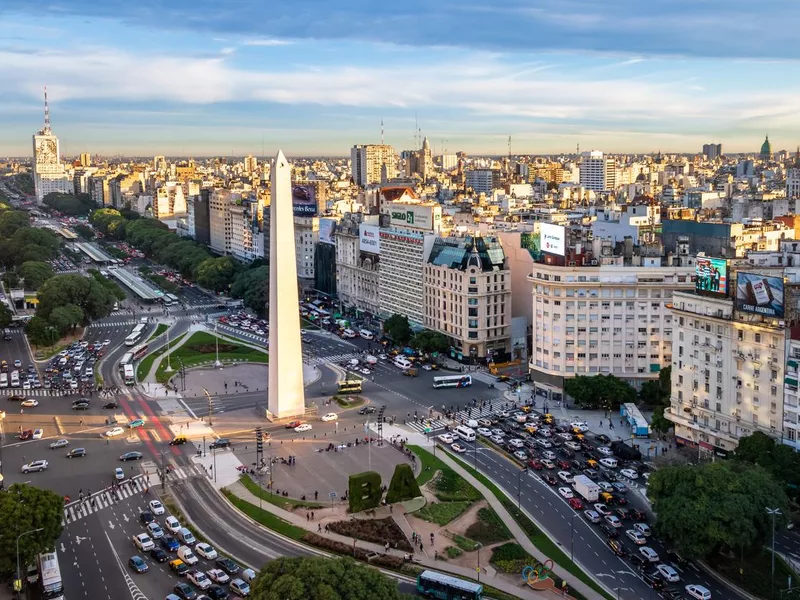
{"x": 759, "y": 294}
{"x": 552, "y": 238}
{"x": 304, "y": 200}
{"x": 418, "y": 216}
{"x": 369, "y": 238}
{"x": 711, "y": 275}
{"x": 326, "y": 227}
{"x": 532, "y": 242}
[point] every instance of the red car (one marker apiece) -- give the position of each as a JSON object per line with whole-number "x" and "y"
{"x": 564, "y": 465}
{"x": 26, "y": 435}
{"x": 575, "y": 503}
{"x": 535, "y": 464}
{"x": 293, "y": 424}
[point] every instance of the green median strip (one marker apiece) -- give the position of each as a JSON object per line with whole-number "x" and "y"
{"x": 266, "y": 518}
{"x": 162, "y": 327}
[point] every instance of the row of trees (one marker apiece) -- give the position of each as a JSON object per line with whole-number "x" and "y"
{"x": 398, "y": 329}
{"x": 21, "y": 243}
{"x": 69, "y": 204}
{"x": 595, "y": 392}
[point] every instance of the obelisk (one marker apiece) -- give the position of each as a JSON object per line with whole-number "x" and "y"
{"x": 286, "y": 395}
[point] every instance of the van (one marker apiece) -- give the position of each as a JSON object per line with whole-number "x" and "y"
{"x": 472, "y": 424}
{"x": 348, "y": 334}
{"x": 698, "y": 591}
{"x": 186, "y": 555}
{"x": 185, "y": 536}
{"x": 402, "y": 362}
{"x": 611, "y": 463}
{"x": 465, "y": 433}
{"x": 367, "y": 335}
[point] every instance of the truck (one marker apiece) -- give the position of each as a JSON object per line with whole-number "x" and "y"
{"x": 624, "y": 451}
{"x": 586, "y": 488}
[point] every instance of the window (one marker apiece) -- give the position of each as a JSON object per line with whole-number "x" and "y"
{"x": 758, "y": 338}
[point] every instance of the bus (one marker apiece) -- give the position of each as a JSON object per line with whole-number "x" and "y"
{"x": 139, "y": 351}
{"x": 128, "y": 375}
{"x": 446, "y": 587}
{"x": 352, "y": 386}
{"x": 452, "y": 381}
{"x": 135, "y": 335}
{"x": 52, "y": 587}
{"x": 169, "y": 300}
{"x": 127, "y": 359}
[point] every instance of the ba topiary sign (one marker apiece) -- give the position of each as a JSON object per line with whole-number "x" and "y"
{"x": 404, "y": 485}
{"x": 364, "y": 491}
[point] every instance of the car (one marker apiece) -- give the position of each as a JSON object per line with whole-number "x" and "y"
{"x": 446, "y": 438}
{"x": 172, "y": 524}
{"x": 218, "y": 576}
{"x": 26, "y": 434}
{"x": 169, "y": 543}
{"x": 114, "y": 431}
{"x": 143, "y": 542}
{"x": 456, "y": 447}
{"x": 591, "y": 473}
{"x": 219, "y": 443}
{"x": 654, "y": 580}
{"x": 676, "y": 560}
{"x": 484, "y": 431}
{"x": 292, "y": 424}
{"x": 580, "y": 426}
{"x": 622, "y": 513}
{"x": 498, "y": 439}
{"x": 119, "y": 474}
{"x": 592, "y": 516}
{"x": 548, "y": 464}
{"x": 155, "y": 531}
{"x": 178, "y": 440}
{"x": 671, "y": 594}
{"x": 637, "y": 515}
{"x": 639, "y": 563}
{"x": 38, "y": 434}
{"x": 35, "y": 466}
{"x": 136, "y": 423}
{"x": 549, "y": 478}
{"x": 59, "y": 444}
{"x": 603, "y": 438}
{"x": 200, "y": 579}
{"x": 565, "y": 492}
{"x": 521, "y": 455}
{"x": 621, "y": 500}
{"x": 15, "y": 398}
{"x": 110, "y": 405}
{"x": 227, "y": 565}
{"x": 629, "y": 473}
{"x": 156, "y": 507}
{"x": 644, "y": 529}
{"x": 76, "y": 453}
{"x": 131, "y": 456}
{"x": 29, "y": 403}
{"x": 535, "y": 464}
{"x": 612, "y": 520}
{"x": 216, "y": 592}
{"x": 137, "y": 563}
{"x": 575, "y": 503}
{"x": 609, "y": 531}
{"x": 240, "y": 587}
{"x": 185, "y": 591}
{"x": 329, "y": 417}
{"x": 566, "y": 476}
{"x": 605, "y": 450}
{"x": 158, "y": 555}
{"x": 697, "y": 591}
{"x": 179, "y": 567}
{"x": 616, "y": 546}
{"x": 146, "y": 517}
{"x": 574, "y": 446}
{"x": 18, "y": 363}
{"x": 303, "y": 428}
{"x": 636, "y": 537}
{"x": 602, "y": 508}
{"x": 80, "y": 406}
{"x": 668, "y": 573}
{"x": 366, "y": 410}
{"x": 648, "y": 553}
{"x": 206, "y": 551}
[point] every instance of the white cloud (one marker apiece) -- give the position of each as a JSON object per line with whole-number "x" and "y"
{"x": 267, "y": 42}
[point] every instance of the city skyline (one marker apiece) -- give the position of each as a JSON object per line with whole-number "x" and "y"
{"x": 196, "y": 80}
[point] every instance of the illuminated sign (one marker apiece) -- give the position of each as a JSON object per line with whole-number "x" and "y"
{"x": 552, "y": 238}
{"x": 711, "y": 275}
{"x": 759, "y": 294}
{"x": 418, "y": 216}
{"x": 369, "y": 239}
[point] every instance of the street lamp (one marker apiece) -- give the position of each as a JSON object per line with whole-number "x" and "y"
{"x": 169, "y": 364}
{"x": 519, "y": 485}
{"x": 18, "y": 582}
{"x": 773, "y": 512}
{"x": 571, "y": 537}
{"x": 216, "y": 342}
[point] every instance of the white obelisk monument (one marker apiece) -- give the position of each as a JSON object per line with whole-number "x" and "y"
{"x": 286, "y": 393}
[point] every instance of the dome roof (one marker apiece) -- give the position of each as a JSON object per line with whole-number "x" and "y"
{"x": 766, "y": 147}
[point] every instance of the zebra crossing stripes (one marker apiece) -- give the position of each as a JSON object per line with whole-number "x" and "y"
{"x": 80, "y": 509}
{"x": 494, "y": 405}
{"x": 36, "y": 392}
{"x": 420, "y": 426}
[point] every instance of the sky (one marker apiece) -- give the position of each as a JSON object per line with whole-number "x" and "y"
{"x": 203, "y": 77}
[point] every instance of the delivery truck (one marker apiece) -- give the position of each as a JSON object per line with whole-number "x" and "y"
{"x": 586, "y": 488}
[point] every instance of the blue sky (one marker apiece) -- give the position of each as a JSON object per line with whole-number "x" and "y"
{"x": 211, "y": 78}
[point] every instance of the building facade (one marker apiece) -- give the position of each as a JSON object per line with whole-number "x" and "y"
{"x": 306, "y": 235}
{"x": 49, "y": 173}
{"x": 357, "y": 271}
{"x": 483, "y": 181}
{"x": 597, "y": 171}
{"x": 369, "y": 161}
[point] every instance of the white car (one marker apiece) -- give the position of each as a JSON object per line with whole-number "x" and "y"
{"x": 73, "y": 385}
{"x": 30, "y": 403}
{"x": 629, "y": 473}
{"x": 38, "y": 433}
{"x": 605, "y": 450}
{"x": 580, "y": 426}
{"x": 456, "y": 447}
{"x": 565, "y": 492}
{"x": 447, "y": 438}
{"x": 565, "y": 436}
{"x": 240, "y": 587}
{"x": 516, "y": 443}
{"x": 566, "y": 476}
{"x": 156, "y": 507}
{"x": 521, "y": 455}
{"x": 574, "y": 446}
{"x": 605, "y": 486}
{"x": 119, "y": 474}
{"x": 303, "y": 427}
{"x": 613, "y": 520}
{"x": 700, "y": 592}
{"x": 35, "y": 466}
{"x": 328, "y": 417}
{"x": 648, "y": 553}
{"x": 643, "y": 528}
{"x": 365, "y": 371}
{"x": 143, "y": 542}
{"x": 668, "y": 573}
{"x": 59, "y": 444}
{"x": 200, "y": 579}
{"x": 26, "y": 385}
{"x": 186, "y": 555}
{"x": 206, "y": 551}
{"x": 602, "y": 509}
{"x": 114, "y": 431}
{"x": 155, "y": 531}
{"x": 172, "y": 524}
{"x": 484, "y": 432}
{"x": 498, "y": 439}
{"x": 636, "y": 537}
{"x": 218, "y": 576}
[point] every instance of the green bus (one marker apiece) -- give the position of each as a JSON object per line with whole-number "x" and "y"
{"x": 446, "y": 587}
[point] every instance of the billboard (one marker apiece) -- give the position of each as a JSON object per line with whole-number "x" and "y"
{"x": 326, "y": 227}
{"x": 552, "y": 238}
{"x": 711, "y": 275}
{"x": 418, "y": 216}
{"x": 369, "y": 239}
{"x": 304, "y": 200}
{"x": 759, "y": 294}
{"x": 532, "y": 242}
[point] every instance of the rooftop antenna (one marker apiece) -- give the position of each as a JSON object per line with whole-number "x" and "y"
{"x": 416, "y": 131}
{"x": 509, "y": 148}
{"x": 578, "y": 148}
{"x": 381, "y": 131}
{"x": 46, "y": 129}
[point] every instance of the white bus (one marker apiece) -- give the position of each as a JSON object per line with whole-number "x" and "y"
{"x": 50, "y": 577}
{"x": 127, "y": 359}
{"x": 452, "y": 381}
{"x": 135, "y": 335}
{"x": 128, "y": 375}
{"x": 169, "y": 300}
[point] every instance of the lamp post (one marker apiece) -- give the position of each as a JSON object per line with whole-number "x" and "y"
{"x": 519, "y": 485}
{"x": 571, "y": 537}
{"x": 18, "y": 582}
{"x": 216, "y": 342}
{"x": 169, "y": 352}
{"x": 773, "y": 512}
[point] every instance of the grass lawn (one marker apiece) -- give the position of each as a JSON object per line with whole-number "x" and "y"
{"x": 430, "y": 464}
{"x": 349, "y": 401}
{"x": 442, "y": 513}
{"x": 162, "y": 327}
{"x": 453, "y": 552}
{"x": 488, "y": 529}
{"x": 285, "y": 503}
{"x": 267, "y": 519}
{"x": 466, "y": 544}
{"x": 449, "y": 486}
{"x": 146, "y": 364}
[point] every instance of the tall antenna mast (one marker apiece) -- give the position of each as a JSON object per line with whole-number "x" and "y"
{"x": 509, "y": 148}
{"x": 416, "y": 131}
{"x": 381, "y": 131}
{"x": 46, "y": 129}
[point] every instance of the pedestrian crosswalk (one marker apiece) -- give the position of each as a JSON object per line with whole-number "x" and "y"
{"x": 38, "y": 392}
{"x": 80, "y": 509}
{"x": 492, "y": 406}
{"x": 121, "y": 322}
{"x": 433, "y": 425}
{"x": 312, "y": 359}
{"x": 242, "y": 332}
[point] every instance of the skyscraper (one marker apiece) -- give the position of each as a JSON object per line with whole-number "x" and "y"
{"x": 712, "y": 151}
{"x": 367, "y": 161}
{"x": 598, "y": 172}
{"x": 49, "y": 174}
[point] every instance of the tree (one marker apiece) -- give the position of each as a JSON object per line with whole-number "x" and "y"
{"x": 659, "y": 423}
{"x": 40, "y": 332}
{"x": 28, "y": 244}
{"x": 87, "y": 293}
{"x": 599, "y": 391}
{"x": 23, "y": 508}
{"x": 398, "y": 329}
{"x": 66, "y": 318}
{"x": 11, "y": 221}
{"x": 252, "y": 287}
{"x": 217, "y": 273}
{"x": 318, "y": 578}
{"x": 428, "y": 341}
{"x": 651, "y": 393}
{"x": 5, "y": 315}
{"x": 35, "y": 273}
{"x": 84, "y": 231}
{"x": 69, "y": 204}
{"x": 780, "y": 460}
{"x": 715, "y": 507}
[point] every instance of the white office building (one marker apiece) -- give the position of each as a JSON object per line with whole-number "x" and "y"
{"x": 49, "y": 174}
{"x": 368, "y": 161}
{"x": 598, "y": 172}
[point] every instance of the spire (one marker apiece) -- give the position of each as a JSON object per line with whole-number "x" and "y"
{"x": 46, "y": 130}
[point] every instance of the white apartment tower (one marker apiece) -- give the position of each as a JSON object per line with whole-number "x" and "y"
{"x": 49, "y": 174}
{"x": 598, "y": 172}
{"x": 367, "y": 162}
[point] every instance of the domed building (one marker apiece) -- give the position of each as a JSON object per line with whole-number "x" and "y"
{"x": 766, "y": 150}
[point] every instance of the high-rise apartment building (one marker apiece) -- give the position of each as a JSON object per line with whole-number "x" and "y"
{"x": 358, "y": 262}
{"x": 49, "y": 174}
{"x": 250, "y": 164}
{"x": 793, "y": 182}
{"x": 712, "y": 151}
{"x": 483, "y": 181}
{"x": 368, "y": 162}
{"x": 306, "y": 236}
{"x": 86, "y": 159}
{"x": 598, "y": 172}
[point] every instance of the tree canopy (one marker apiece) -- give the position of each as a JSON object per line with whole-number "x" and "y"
{"x": 24, "y": 508}
{"x": 778, "y": 459}
{"x": 5, "y": 315}
{"x": 397, "y": 328}
{"x": 713, "y": 507}
{"x": 217, "y": 273}
{"x": 41, "y": 332}
{"x": 430, "y": 341}
{"x": 318, "y": 578}
{"x": 599, "y": 391}
{"x": 11, "y": 221}
{"x": 89, "y": 294}
{"x": 251, "y": 287}
{"x": 35, "y": 273}
{"x": 27, "y": 244}
{"x": 69, "y": 204}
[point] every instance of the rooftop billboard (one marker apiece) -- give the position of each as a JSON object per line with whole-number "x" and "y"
{"x": 369, "y": 239}
{"x": 552, "y": 238}
{"x": 760, "y": 295}
{"x": 711, "y": 275}
{"x": 304, "y": 200}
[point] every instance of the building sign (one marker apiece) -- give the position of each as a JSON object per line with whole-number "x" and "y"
{"x": 406, "y": 238}
{"x": 552, "y": 238}
{"x": 326, "y": 227}
{"x": 369, "y": 238}
{"x": 759, "y": 294}
{"x": 711, "y": 275}
{"x": 304, "y": 200}
{"x": 418, "y": 216}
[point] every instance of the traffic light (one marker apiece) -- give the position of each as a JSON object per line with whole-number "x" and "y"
{"x": 259, "y": 441}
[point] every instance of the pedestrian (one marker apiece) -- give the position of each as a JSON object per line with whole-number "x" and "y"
{"x": 386, "y": 548}
{"x": 319, "y": 528}
{"x": 312, "y": 515}
{"x": 308, "y": 516}
{"x": 601, "y": 423}
{"x": 431, "y": 538}
{"x": 421, "y": 547}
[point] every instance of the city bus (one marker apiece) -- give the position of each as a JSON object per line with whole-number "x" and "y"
{"x": 352, "y": 386}
{"x": 452, "y": 381}
{"x": 52, "y": 588}
{"x": 135, "y": 335}
{"x": 169, "y": 300}
{"x": 127, "y": 359}
{"x": 139, "y": 351}
{"x": 128, "y": 375}
{"x": 446, "y": 587}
